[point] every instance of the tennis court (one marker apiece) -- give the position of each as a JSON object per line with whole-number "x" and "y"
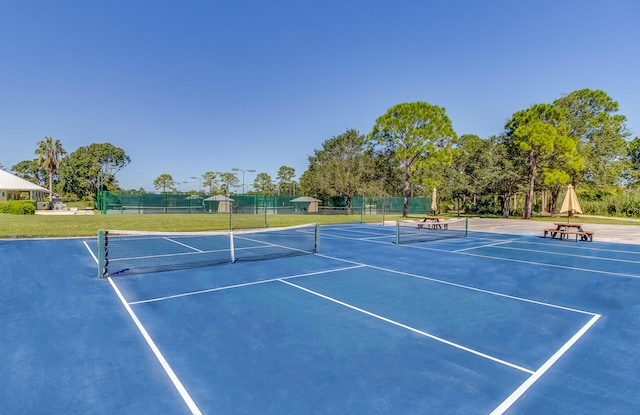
{"x": 489, "y": 323}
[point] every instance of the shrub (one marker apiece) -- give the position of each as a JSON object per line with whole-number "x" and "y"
{"x": 18, "y": 207}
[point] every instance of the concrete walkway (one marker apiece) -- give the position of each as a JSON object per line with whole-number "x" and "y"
{"x": 629, "y": 234}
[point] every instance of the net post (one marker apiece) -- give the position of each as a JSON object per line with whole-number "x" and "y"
{"x": 466, "y": 226}
{"x": 316, "y": 242}
{"x": 232, "y": 250}
{"x": 397, "y": 232}
{"x": 102, "y": 253}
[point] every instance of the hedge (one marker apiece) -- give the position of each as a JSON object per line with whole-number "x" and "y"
{"x": 18, "y": 207}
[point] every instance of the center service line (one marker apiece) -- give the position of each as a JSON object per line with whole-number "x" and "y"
{"x": 404, "y": 326}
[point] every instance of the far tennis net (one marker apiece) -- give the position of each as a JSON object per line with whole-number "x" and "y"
{"x": 409, "y": 231}
{"x": 135, "y": 252}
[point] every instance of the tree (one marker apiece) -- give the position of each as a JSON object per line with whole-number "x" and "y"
{"x": 600, "y": 133}
{"x": 210, "y": 180}
{"x": 49, "y": 154}
{"x": 633, "y": 155}
{"x": 81, "y": 171}
{"x": 344, "y": 167}
{"x": 413, "y": 132}
{"x": 31, "y": 171}
{"x": 285, "y": 179}
{"x": 263, "y": 184}
{"x": 540, "y": 134}
{"x": 228, "y": 181}
{"x": 164, "y": 181}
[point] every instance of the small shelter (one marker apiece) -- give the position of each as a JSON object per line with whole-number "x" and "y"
{"x": 218, "y": 203}
{"x": 306, "y": 203}
{"x": 13, "y": 187}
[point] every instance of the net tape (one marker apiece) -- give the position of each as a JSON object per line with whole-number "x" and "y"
{"x": 134, "y": 252}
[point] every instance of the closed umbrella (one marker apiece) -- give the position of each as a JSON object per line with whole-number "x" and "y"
{"x": 570, "y": 202}
{"x": 434, "y": 200}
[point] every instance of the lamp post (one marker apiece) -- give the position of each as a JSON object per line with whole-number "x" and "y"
{"x": 199, "y": 182}
{"x": 243, "y": 171}
{"x": 106, "y": 166}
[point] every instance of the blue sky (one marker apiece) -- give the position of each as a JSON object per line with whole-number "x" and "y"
{"x": 186, "y": 87}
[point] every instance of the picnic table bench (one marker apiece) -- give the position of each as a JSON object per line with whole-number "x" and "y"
{"x": 432, "y": 222}
{"x": 563, "y": 230}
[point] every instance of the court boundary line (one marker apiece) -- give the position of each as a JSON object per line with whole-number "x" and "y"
{"x": 184, "y": 394}
{"x": 584, "y": 247}
{"x": 538, "y": 373}
{"x": 531, "y": 380}
{"x": 246, "y": 284}
{"x": 622, "y": 274}
{"x": 467, "y": 287}
{"x": 412, "y": 329}
{"x": 552, "y": 253}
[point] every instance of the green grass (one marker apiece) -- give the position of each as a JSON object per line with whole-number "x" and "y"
{"x": 34, "y": 226}
{"x": 42, "y": 226}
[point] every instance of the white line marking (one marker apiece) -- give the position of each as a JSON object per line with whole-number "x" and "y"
{"x": 183, "y": 244}
{"x": 567, "y": 254}
{"x": 165, "y": 365}
{"x": 90, "y": 251}
{"x": 466, "y": 287}
{"x": 246, "y": 284}
{"x": 404, "y": 326}
{"x": 484, "y": 246}
{"x": 507, "y": 403}
{"x": 552, "y": 265}
{"x": 163, "y": 362}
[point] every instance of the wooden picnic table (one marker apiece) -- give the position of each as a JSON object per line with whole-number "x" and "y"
{"x": 432, "y": 222}
{"x": 564, "y": 229}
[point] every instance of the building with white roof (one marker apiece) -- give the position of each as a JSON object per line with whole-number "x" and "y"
{"x": 13, "y": 187}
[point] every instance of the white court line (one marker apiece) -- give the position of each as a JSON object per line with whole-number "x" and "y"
{"x": 246, "y": 284}
{"x": 507, "y": 403}
{"x": 404, "y": 326}
{"x": 542, "y": 264}
{"x": 484, "y": 246}
{"x": 182, "y": 244}
{"x": 566, "y": 254}
{"x": 466, "y": 287}
{"x": 156, "y": 351}
{"x": 573, "y": 246}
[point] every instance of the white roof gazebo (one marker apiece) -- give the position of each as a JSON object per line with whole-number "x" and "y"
{"x": 13, "y": 187}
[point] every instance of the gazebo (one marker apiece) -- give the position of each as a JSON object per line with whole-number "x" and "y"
{"x": 13, "y": 187}
{"x": 310, "y": 204}
{"x": 223, "y": 203}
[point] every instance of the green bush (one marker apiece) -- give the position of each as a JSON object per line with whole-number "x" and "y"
{"x": 18, "y": 207}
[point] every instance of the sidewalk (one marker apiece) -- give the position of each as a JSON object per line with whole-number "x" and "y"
{"x": 628, "y": 234}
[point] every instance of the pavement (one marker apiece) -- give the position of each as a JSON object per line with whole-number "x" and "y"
{"x": 628, "y": 234}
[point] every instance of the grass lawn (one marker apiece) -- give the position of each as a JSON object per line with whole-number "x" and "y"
{"x": 34, "y": 226}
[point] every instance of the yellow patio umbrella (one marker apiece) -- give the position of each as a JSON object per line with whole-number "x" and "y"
{"x": 434, "y": 202}
{"x": 570, "y": 203}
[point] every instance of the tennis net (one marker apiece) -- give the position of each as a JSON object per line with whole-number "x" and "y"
{"x": 409, "y": 231}
{"x": 135, "y": 252}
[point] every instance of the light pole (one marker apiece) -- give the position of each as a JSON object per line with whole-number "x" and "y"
{"x": 199, "y": 183}
{"x": 243, "y": 171}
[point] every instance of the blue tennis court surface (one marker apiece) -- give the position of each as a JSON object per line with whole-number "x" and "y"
{"x": 486, "y": 324}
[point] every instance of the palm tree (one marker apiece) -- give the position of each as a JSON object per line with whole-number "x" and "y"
{"x": 50, "y": 154}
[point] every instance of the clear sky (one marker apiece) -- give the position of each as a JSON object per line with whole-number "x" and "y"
{"x": 190, "y": 86}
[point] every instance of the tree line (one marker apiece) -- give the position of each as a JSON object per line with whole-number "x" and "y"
{"x": 578, "y": 139}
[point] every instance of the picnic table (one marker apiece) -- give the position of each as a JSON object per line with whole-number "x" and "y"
{"x": 432, "y": 222}
{"x": 564, "y": 229}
